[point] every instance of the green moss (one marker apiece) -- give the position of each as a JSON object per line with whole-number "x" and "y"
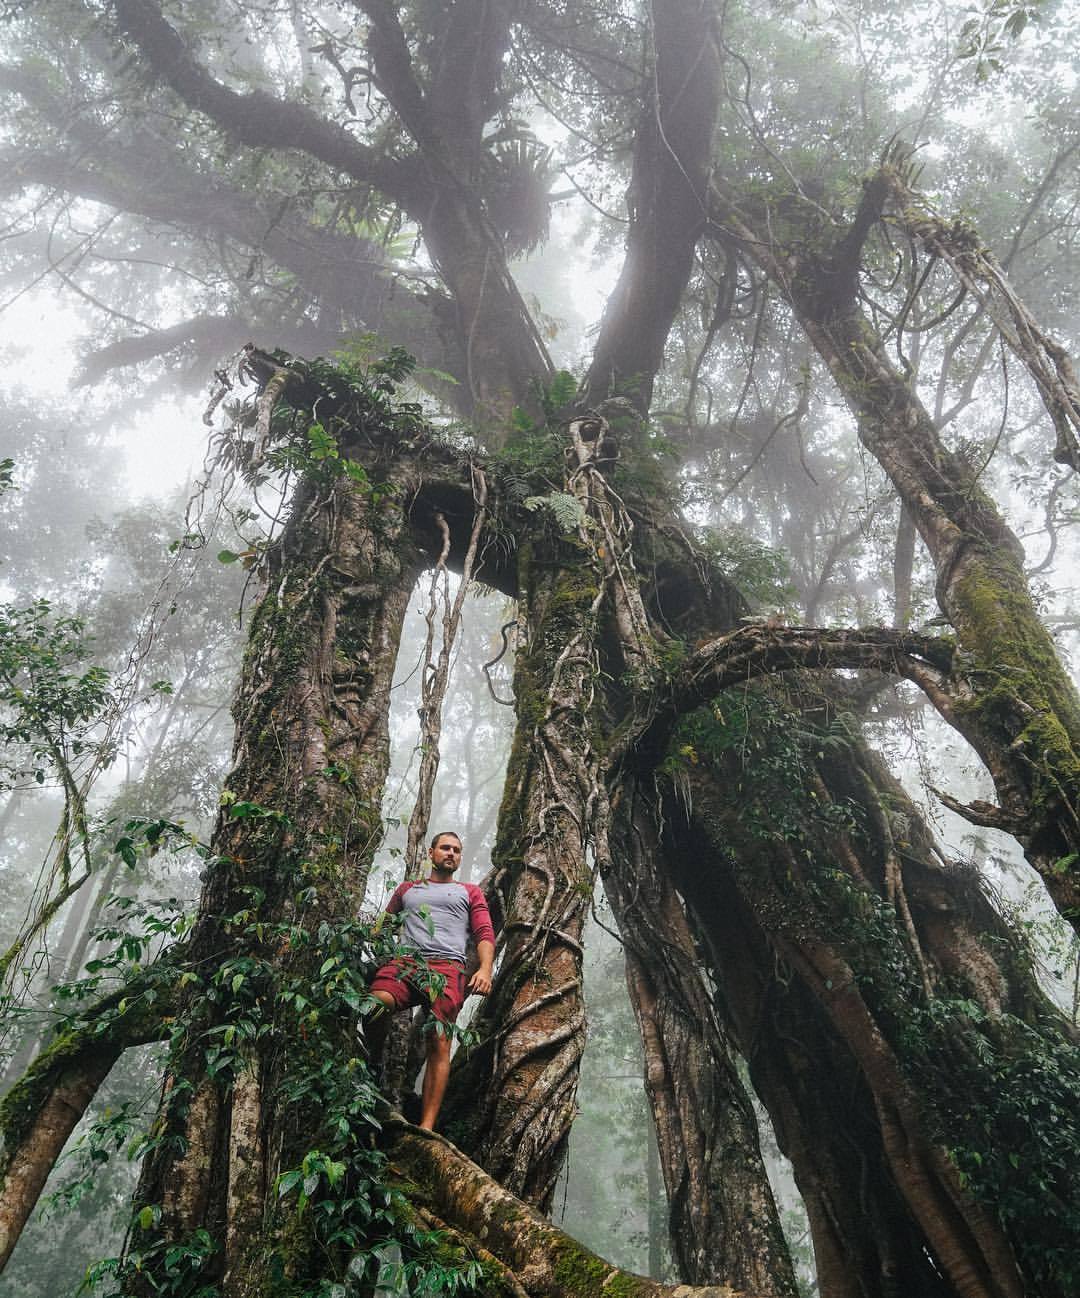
{"x": 584, "y": 1275}
{"x": 581, "y": 1273}
{"x": 622, "y": 1286}
{"x": 22, "y": 1104}
{"x": 1022, "y": 696}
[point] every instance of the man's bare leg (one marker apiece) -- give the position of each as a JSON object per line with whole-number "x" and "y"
{"x": 436, "y": 1076}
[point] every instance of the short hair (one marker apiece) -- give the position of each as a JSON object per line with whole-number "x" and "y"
{"x": 443, "y": 833}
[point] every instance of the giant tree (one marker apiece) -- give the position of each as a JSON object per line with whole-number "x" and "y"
{"x": 779, "y": 898}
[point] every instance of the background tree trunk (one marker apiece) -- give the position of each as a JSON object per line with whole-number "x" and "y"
{"x": 723, "y": 1221}
{"x": 825, "y": 997}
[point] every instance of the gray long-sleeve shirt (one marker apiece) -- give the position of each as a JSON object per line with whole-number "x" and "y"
{"x": 441, "y": 917}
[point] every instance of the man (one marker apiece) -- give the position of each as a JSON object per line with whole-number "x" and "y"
{"x": 440, "y": 916}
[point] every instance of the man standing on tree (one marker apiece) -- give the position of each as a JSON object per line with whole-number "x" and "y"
{"x": 440, "y": 916}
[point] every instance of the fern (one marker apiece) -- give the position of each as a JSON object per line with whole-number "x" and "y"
{"x": 513, "y": 484}
{"x": 567, "y": 510}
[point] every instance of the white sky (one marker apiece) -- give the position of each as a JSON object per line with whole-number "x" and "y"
{"x": 163, "y": 446}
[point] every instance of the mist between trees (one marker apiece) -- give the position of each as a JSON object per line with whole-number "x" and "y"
{"x": 644, "y": 439}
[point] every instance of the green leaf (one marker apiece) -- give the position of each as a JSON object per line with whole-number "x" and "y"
{"x": 563, "y": 389}
{"x": 227, "y": 556}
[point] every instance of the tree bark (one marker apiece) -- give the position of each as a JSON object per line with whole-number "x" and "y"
{"x": 300, "y": 822}
{"x": 542, "y": 1260}
{"x": 828, "y": 1014}
{"x": 1022, "y": 711}
{"x": 39, "y": 1113}
{"x": 723, "y": 1222}
{"x": 667, "y": 203}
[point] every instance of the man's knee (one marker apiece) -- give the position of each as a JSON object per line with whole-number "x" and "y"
{"x": 438, "y": 1043}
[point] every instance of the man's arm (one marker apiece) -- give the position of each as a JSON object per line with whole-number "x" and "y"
{"x": 393, "y": 906}
{"x": 483, "y": 934}
{"x": 480, "y": 982}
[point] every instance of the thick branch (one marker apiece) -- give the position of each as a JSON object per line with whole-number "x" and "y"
{"x": 668, "y": 209}
{"x": 394, "y": 72}
{"x": 212, "y": 334}
{"x": 40, "y": 1111}
{"x": 759, "y": 649}
{"x": 546, "y": 1262}
{"x": 258, "y": 119}
{"x": 468, "y": 68}
{"x": 1025, "y": 723}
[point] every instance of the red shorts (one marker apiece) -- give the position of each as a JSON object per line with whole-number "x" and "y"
{"x": 400, "y": 979}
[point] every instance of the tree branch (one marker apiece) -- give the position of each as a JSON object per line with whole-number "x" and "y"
{"x": 216, "y": 334}
{"x": 258, "y": 119}
{"x": 546, "y": 1262}
{"x": 468, "y": 67}
{"x": 672, "y": 150}
{"x": 393, "y": 71}
{"x": 760, "y": 649}
{"x": 1045, "y": 359}
{"x": 39, "y": 1113}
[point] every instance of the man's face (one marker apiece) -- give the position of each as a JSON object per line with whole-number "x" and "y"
{"x": 446, "y": 854}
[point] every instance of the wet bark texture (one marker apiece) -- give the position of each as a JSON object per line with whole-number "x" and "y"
{"x": 533, "y": 1258}
{"x": 514, "y": 1103}
{"x": 819, "y": 1006}
{"x": 553, "y": 815}
{"x": 723, "y": 1222}
{"x": 299, "y": 825}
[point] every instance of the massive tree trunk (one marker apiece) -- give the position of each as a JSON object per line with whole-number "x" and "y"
{"x": 512, "y": 1106}
{"x": 264, "y": 1086}
{"x": 722, "y": 1220}
{"x": 299, "y": 823}
{"x": 885, "y": 1013}
{"x": 862, "y": 979}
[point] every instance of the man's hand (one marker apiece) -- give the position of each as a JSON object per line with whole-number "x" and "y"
{"x": 480, "y": 982}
